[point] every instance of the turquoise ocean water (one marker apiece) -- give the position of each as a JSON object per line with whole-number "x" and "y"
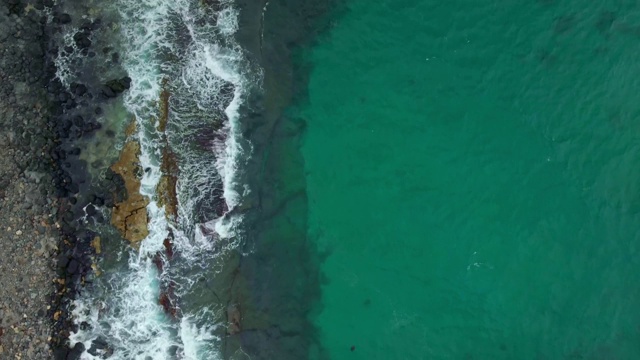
{"x": 473, "y": 173}
{"x": 391, "y": 179}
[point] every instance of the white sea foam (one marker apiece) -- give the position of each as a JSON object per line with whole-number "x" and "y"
{"x": 63, "y": 63}
{"x": 197, "y": 340}
{"x": 131, "y": 321}
{"x": 128, "y": 315}
{"x": 228, "y": 21}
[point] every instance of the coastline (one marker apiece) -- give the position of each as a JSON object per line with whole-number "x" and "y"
{"x": 49, "y": 192}
{"x": 52, "y": 204}
{"x": 29, "y": 236}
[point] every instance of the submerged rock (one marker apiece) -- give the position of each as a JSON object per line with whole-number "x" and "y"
{"x": 233, "y": 318}
{"x": 115, "y": 87}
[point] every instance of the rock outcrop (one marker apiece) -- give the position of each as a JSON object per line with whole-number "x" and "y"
{"x": 130, "y": 215}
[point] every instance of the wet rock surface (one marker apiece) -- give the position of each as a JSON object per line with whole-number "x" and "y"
{"x": 48, "y": 200}
{"x": 81, "y": 79}
{"x": 130, "y": 215}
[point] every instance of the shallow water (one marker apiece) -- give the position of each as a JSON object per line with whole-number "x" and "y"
{"x": 471, "y": 169}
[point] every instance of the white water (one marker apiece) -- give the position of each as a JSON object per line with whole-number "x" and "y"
{"x": 128, "y": 315}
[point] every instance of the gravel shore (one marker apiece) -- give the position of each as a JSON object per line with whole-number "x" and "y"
{"x": 28, "y": 233}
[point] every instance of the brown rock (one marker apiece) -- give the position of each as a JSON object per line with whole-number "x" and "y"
{"x": 166, "y": 189}
{"x": 130, "y": 215}
{"x": 164, "y": 106}
{"x": 168, "y": 245}
{"x": 97, "y": 246}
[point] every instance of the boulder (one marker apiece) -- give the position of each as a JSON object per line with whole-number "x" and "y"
{"x": 76, "y": 352}
{"x": 80, "y": 90}
{"x": 73, "y": 267}
{"x": 97, "y": 346}
{"x": 62, "y": 18}
{"x": 119, "y": 85}
{"x": 82, "y": 40}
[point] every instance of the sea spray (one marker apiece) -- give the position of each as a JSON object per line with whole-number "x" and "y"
{"x": 182, "y": 44}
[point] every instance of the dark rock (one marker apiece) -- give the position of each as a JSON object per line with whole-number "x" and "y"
{"x": 98, "y": 111}
{"x": 82, "y": 40}
{"x": 61, "y": 352}
{"x": 126, "y": 81}
{"x": 73, "y": 267}
{"x": 72, "y": 279}
{"x": 55, "y": 85}
{"x": 66, "y": 126}
{"x": 62, "y": 18}
{"x": 70, "y": 104}
{"x": 78, "y": 121}
{"x": 108, "y": 92}
{"x": 80, "y": 90}
{"x": 68, "y": 216}
{"x": 15, "y": 7}
{"x": 63, "y": 261}
{"x": 89, "y": 127}
{"x": 86, "y": 26}
{"x": 67, "y": 229}
{"x": 54, "y": 52}
{"x": 73, "y": 188}
{"x": 90, "y": 210}
{"x": 76, "y": 352}
{"x": 119, "y": 85}
{"x": 98, "y": 345}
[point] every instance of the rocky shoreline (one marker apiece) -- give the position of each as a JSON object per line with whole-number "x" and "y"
{"x": 48, "y": 200}
{"x": 52, "y": 201}
{"x": 29, "y": 234}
